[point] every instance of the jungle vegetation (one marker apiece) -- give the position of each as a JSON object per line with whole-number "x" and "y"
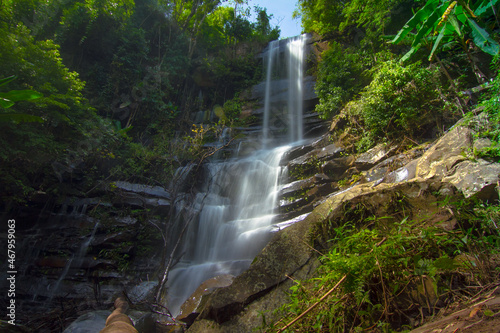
{"x": 116, "y": 83}
{"x": 97, "y": 90}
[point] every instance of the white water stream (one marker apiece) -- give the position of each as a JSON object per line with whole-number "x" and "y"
{"x": 238, "y": 202}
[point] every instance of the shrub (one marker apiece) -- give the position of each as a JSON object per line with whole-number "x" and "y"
{"x": 232, "y": 109}
{"x": 400, "y": 101}
{"x": 491, "y": 103}
{"x": 339, "y": 79}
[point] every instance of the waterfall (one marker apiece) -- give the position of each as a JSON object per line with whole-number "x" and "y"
{"x": 236, "y": 205}
{"x": 284, "y": 89}
{"x": 295, "y": 83}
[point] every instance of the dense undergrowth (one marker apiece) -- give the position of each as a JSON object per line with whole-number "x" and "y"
{"x": 398, "y": 273}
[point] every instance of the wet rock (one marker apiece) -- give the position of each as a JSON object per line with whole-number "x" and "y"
{"x": 303, "y": 208}
{"x": 321, "y": 178}
{"x": 445, "y": 153}
{"x": 314, "y": 161}
{"x": 90, "y": 322}
{"x": 292, "y": 204}
{"x": 125, "y": 221}
{"x": 160, "y": 206}
{"x": 53, "y": 262}
{"x": 477, "y": 179}
{"x": 336, "y": 168}
{"x": 191, "y": 307}
{"x": 296, "y": 188}
{"x": 383, "y": 168}
{"x": 322, "y": 190}
{"x": 139, "y": 293}
{"x": 113, "y": 238}
{"x": 143, "y": 321}
{"x": 373, "y": 156}
{"x": 295, "y": 153}
{"x": 328, "y": 152}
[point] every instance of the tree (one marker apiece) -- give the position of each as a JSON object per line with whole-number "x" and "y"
{"x": 328, "y": 16}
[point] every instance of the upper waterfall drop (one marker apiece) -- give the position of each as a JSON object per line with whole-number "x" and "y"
{"x": 284, "y": 92}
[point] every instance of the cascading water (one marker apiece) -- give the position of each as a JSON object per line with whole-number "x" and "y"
{"x": 283, "y": 100}
{"x": 238, "y": 200}
{"x": 295, "y": 84}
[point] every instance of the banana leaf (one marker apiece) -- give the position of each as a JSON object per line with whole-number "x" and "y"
{"x": 485, "y": 7}
{"x": 417, "y": 19}
{"x": 482, "y": 39}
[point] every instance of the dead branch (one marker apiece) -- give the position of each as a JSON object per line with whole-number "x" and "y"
{"x": 314, "y": 305}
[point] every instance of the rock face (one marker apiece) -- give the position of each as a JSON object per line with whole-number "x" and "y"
{"x": 422, "y": 176}
{"x": 73, "y": 261}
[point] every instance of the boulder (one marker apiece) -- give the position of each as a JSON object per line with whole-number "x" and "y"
{"x": 337, "y": 167}
{"x": 479, "y": 179}
{"x": 156, "y": 191}
{"x": 447, "y": 160}
{"x": 373, "y": 156}
{"x": 445, "y": 153}
{"x": 314, "y": 160}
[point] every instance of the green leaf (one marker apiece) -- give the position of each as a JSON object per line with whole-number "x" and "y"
{"x": 445, "y": 263}
{"x": 488, "y": 313}
{"x": 5, "y": 103}
{"x": 20, "y": 95}
{"x": 429, "y": 24}
{"x": 419, "y": 16}
{"x": 7, "y": 80}
{"x": 486, "y": 6}
{"x": 454, "y": 23}
{"x": 438, "y": 40}
{"x": 482, "y": 39}
{"x": 460, "y": 14}
{"x": 410, "y": 53}
{"x": 20, "y": 118}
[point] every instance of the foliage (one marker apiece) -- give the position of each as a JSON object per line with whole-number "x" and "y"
{"x": 262, "y": 28}
{"x": 31, "y": 148}
{"x": 325, "y": 16}
{"x": 443, "y": 21}
{"x": 400, "y": 101}
{"x": 389, "y": 268}
{"x": 340, "y": 77}
{"x": 232, "y": 109}
{"x": 320, "y": 16}
{"x": 491, "y": 103}
{"x": 8, "y": 99}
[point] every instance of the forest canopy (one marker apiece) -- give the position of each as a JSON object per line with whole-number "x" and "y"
{"x": 117, "y": 81}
